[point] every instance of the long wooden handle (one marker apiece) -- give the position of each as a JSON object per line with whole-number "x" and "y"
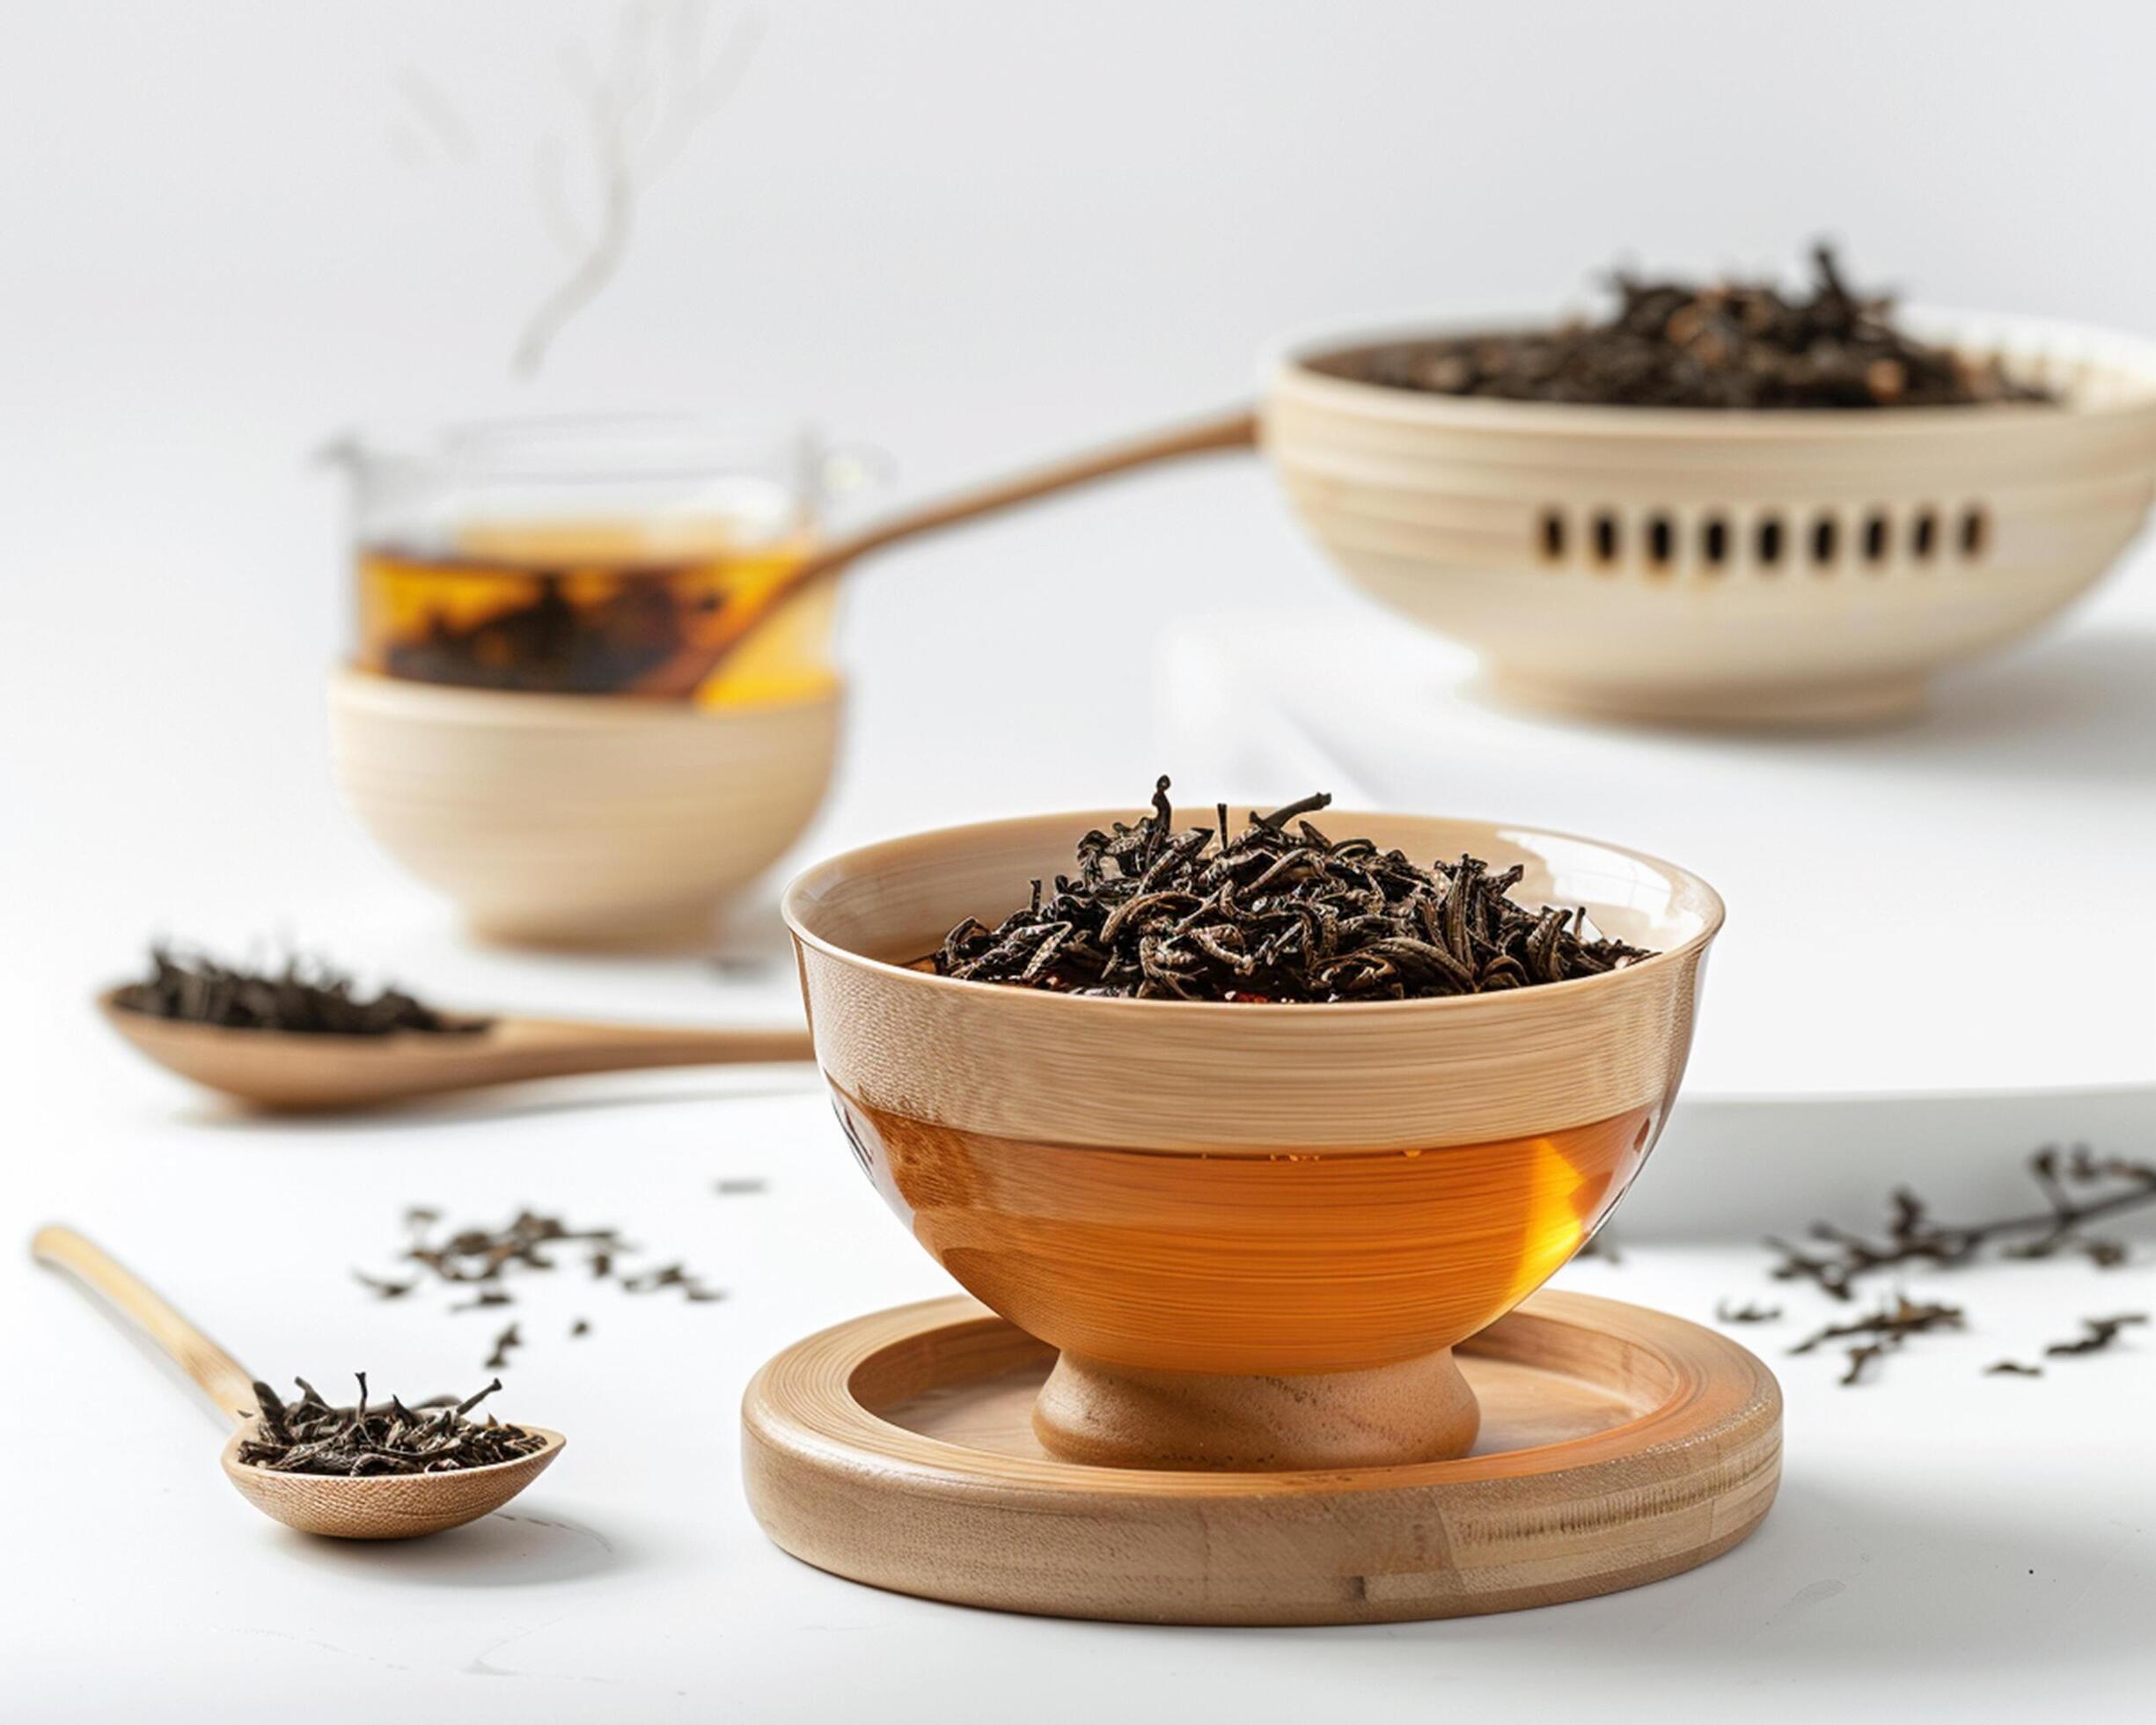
{"x": 551, "y": 1048}
{"x": 1228, "y": 431}
{"x": 222, "y": 1378}
{"x": 680, "y": 676}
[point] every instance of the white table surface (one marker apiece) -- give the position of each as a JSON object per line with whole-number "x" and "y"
{"x": 1946, "y": 1541}
{"x": 1911, "y": 907}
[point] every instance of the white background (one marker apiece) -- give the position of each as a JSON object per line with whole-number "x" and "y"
{"x": 973, "y": 234}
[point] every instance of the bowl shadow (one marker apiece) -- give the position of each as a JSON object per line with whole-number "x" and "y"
{"x": 2078, "y": 708}
{"x": 1848, "y": 1584}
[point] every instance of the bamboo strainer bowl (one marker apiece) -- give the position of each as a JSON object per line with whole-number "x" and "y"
{"x": 1255, "y": 1232}
{"x": 1747, "y": 567}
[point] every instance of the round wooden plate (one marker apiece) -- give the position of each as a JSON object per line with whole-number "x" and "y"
{"x": 1619, "y": 1446}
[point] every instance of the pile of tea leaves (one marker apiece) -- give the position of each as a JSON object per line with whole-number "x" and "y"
{"x": 1726, "y": 344}
{"x": 1277, "y": 911}
{"x": 308, "y": 995}
{"x": 437, "y": 1436}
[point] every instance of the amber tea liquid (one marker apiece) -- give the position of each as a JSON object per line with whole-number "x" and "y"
{"x": 590, "y": 609}
{"x": 1173, "y": 1260}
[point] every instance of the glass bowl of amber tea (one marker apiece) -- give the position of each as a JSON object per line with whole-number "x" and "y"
{"x": 1254, "y": 1231}
{"x": 595, "y": 556}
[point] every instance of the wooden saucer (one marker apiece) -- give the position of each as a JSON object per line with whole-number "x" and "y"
{"x": 1619, "y": 1446}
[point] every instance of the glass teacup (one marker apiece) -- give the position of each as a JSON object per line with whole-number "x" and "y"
{"x": 593, "y": 556}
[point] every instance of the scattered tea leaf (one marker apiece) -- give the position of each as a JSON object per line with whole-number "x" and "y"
{"x": 498, "y": 1360}
{"x": 2098, "y": 1333}
{"x": 1885, "y": 1331}
{"x": 482, "y": 1254}
{"x": 2078, "y": 1187}
{"x": 671, "y": 1275}
{"x": 479, "y": 1259}
{"x": 1862, "y": 1356}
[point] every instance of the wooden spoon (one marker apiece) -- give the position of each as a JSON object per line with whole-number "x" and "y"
{"x": 302, "y": 1072}
{"x": 678, "y": 677}
{"x": 381, "y": 1506}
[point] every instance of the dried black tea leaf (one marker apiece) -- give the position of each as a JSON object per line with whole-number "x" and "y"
{"x": 1862, "y": 1356}
{"x": 1277, "y": 912}
{"x": 1883, "y": 1331}
{"x": 2098, "y": 1334}
{"x": 2077, "y": 1186}
{"x": 309, "y": 996}
{"x": 1727, "y": 344}
{"x": 671, "y": 1275}
{"x": 2011, "y": 1369}
{"x": 498, "y": 1360}
{"x": 1900, "y": 1318}
{"x": 437, "y": 1436}
{"x": 1749, "y": 1312}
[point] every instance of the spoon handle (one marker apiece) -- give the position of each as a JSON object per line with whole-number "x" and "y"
{"x": 678, "y": 677}
{"x": 222, "y": 1378}
{"x": 548, "y": 1047}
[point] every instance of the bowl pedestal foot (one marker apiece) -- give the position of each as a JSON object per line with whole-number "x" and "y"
{"x": 1114, "y": 1416}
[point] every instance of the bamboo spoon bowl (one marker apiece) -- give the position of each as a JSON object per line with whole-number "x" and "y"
{"x": 1255, "y": 1232}
{"x": 375, "y": 1507}
{"x": 298, "y": 1072}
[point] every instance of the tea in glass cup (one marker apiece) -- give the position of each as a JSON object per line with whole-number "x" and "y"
{"x": 591, "y": 557}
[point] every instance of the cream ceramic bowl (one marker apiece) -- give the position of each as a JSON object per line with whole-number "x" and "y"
{"x": 572, "y": 821}
{"x": 1723, "y": 567}
{"x": 1255, "y": 1232}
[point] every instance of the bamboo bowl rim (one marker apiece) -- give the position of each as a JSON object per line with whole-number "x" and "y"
{"x": 1289, "y": 362}
{"x": 1689, "y": 892}
{"x": 534, "y": 710}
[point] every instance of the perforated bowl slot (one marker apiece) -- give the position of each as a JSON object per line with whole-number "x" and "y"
{"x": 1876, "y": 539}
